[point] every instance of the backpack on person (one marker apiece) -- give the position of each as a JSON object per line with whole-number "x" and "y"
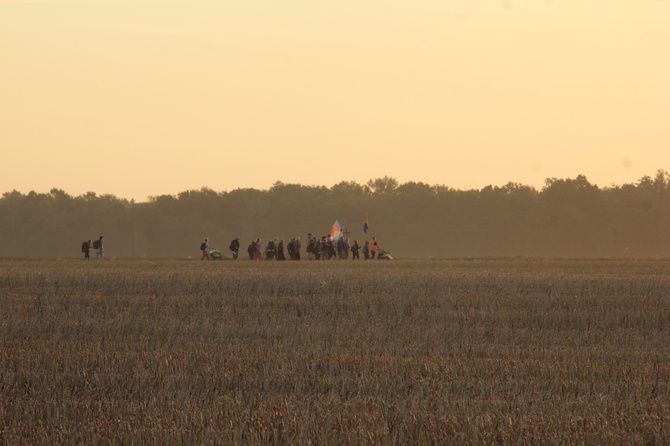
{"x": 84, "y": 245}
{"x": 96, "y": 244}
{"x": 203, "y": 245}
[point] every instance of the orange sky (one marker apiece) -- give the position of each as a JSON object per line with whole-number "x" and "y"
{"x": 144, "y": 97}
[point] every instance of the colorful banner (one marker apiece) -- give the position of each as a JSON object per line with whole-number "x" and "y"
{"x": 336, "y": 231}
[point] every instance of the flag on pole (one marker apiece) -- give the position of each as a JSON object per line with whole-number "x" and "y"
{"x": 365, "y": 225}
{"x": 336, "y": 231}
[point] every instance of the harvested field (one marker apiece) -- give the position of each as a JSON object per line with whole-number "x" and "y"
{"x": 509, "y": 351}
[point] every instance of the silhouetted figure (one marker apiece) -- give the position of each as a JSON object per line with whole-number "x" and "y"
{"x": 296, "y": 248}
{"x": 86, "y": 249}
{"x": 366, "y": 250}
{"x": 234, "y": 248}
{"x": 258, "y": 255}
{"x": 270, "y": 250}
{"x": 340, "y": 248}
{"x": 280, "y": 250}
{"x": 204, "y": 247}
{"x": 355, "y": 248}
{"x": 332, "y": 254}
{"x": 251, "y": 249}
{"x": 309, "y": 249}
{"x": 290, "y": 247}
{"x": 99, "y": 249}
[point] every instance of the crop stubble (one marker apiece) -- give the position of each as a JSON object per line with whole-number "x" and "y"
{"x": 470, "y": 351}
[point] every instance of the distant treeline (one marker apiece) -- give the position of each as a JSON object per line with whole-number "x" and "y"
{"x": 566, "y": 218}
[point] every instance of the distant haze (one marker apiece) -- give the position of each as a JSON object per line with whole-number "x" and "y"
{"x": 141, "y": 98}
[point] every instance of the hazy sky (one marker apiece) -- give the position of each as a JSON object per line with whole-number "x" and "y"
{"x": 139, "y": 98}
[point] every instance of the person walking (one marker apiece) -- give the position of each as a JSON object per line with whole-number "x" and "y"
{"x": 340, "y": 248}
{"x": 355, "y": 248}
{"x": 366, "y": 250}
{"x": 331, "y": 247}
{"x": 324, "y": 248}
{"x": 258, "y": 254}
{"x": 373, "y": 247}
{"x": 99, "y": 249}
{"x": 309, "y": 249}
{"x": 289, "y": 248}
{"x": 86, "y": 249}
{"x": 280, "y": 250}
{"x": 296, "y": 248}
{"x": 270, "y": 250}
{"x": 234, "y": 248}
{"x": 204, "y": 247}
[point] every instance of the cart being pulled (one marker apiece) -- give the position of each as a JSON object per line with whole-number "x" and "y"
{"x": 384, "y": 255}
{"x": 215, "y": 254}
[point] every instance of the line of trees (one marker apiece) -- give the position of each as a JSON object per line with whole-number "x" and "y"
{"x": 566, "y": 218}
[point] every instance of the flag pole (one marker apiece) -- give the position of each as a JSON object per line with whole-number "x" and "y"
{"x": 365, "y": 224}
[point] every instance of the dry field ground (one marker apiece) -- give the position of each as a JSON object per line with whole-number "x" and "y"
{"x": 506, "y": 351}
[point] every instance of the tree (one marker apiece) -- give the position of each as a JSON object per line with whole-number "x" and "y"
{"x": 568, "y": 217}
{"x": 383, "y": 186}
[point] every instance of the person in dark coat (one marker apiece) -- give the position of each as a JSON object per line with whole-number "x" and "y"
{"x": 296, "y": 248}
{"x": 86, "y": 249}
{"x": 235, "y": 248}
{"x": 290, "y": 248}
{"x": 366, "y": 250}
{"x": 340, "y": 248}
{"x": 312, "y": 248}
{"x": 280, "y": 250}
{"x": 270, "y": 250}
{"x": 355, "y": 248}
{"x": 332, "y": 252}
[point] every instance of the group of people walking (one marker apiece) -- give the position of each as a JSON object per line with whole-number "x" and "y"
{"x": 97, "y": 247}
{"x": 324, "y": 248}
{"x": 274, "y": 249}
{"x": 327, "y": 249}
